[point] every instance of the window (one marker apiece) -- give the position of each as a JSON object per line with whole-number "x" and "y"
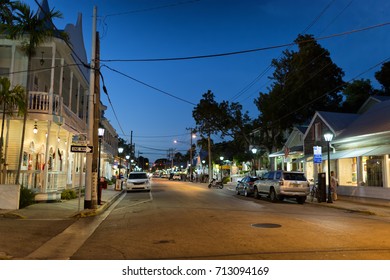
{"x": 138, "y": 176}
{"x": 271, "y": 175}
{"x": 318, "y": 132}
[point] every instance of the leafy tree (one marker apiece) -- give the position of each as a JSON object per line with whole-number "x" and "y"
{"x": 356, "y": 93}
{"x": 304, "y": 81}
{"x": 33, "y": 28}
{"x": 207, "y": 116}
{"x": 383, "y": 77}
{"x": 6, "y": 14}
{"x": 10, "y": 99}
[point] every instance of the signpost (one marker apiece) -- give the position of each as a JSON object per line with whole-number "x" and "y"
{"x": 81, "y": 149}
{"x": 317, "y": 151}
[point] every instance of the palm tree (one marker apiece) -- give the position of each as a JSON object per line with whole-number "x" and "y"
{"x": 10, "y": 99}
{"x": 34, "y": 28}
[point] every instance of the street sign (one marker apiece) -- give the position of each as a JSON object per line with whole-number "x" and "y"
{"x": 81, "y": 149}
{"x": 317, "y": 151}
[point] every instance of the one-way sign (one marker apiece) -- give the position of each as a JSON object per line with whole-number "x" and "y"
{"x": 81, "y": 149}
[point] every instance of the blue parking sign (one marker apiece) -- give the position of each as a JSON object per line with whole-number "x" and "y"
{"x": 317, "y": 151}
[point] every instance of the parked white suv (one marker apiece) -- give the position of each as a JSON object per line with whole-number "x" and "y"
{"x": 280, "y": 184}
{"x": 138, "y": 181}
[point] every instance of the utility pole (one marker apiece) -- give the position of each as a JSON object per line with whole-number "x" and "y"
{"x": 131, "y": 148}
{"x": 190, "y": 129}
{"x": 90, "y": 175}
{"x": 209, "y": 152}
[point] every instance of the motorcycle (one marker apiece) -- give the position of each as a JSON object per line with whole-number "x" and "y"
{"x": 215, "y": 184}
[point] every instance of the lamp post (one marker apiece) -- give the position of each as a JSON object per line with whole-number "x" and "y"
{"x": 120, "y": 150}
{"x": 193, "y": 136}
{"x": 254, "y": 151}
{"x": 221, "y": 158}
{"x": 127, "y": 171}
{"x": 100, "y": 134}
{"x": 328, "y": 137}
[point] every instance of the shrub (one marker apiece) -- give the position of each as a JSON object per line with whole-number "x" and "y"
{"x": 68, "y": 194}
{"x": 225, "y": 180}
{"x": 27, "y": 197}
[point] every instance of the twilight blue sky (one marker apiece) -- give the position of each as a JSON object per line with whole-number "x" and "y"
{"x": 143, "y": 29}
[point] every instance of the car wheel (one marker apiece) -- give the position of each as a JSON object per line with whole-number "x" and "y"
{"x": 272, "y": 195}
{"x": 301, "y": 199}
{"x": 256, "y": 193}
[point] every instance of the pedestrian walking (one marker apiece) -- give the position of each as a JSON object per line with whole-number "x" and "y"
{"x": 333, "y": 185}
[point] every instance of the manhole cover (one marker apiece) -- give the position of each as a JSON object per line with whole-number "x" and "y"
{"x": 266, "y": 225}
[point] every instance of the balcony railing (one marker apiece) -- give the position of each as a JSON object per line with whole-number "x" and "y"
{"x": 34, "y": 179}
{"x": 43, "y": 102}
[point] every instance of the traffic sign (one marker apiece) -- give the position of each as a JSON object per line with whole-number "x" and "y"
{"x": 81, "y": 149}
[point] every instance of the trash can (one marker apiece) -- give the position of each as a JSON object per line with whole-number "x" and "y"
{"x": 322, "y": 187}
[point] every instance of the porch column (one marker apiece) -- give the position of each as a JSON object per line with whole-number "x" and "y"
{"x": 70, "y": 90}
{"x": 386, "y": 171}
{"x": 68, "y": 160}
{"x": 46, "y": 170}
{"x": 52, "y": 72}
{"x": 359, "y": 170}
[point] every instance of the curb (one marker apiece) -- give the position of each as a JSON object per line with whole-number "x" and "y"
{"x": 99, "y": 210}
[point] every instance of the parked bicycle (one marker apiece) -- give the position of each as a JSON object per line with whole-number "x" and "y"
{"x": 314, "y": 191}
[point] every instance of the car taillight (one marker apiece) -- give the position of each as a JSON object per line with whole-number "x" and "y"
{"x": 251, "y": 183}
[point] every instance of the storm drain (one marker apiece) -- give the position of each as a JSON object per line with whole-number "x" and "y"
{"x": 266, "y": 225}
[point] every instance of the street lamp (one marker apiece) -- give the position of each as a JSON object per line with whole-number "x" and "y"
{"x": 221, "y": 158}
{"x": 127, "y": 171}
{"x": 328, "y": 137}
{"x": 120, "y": 150}
{"x": 100, "y": 134}
{"x": 254, "y": 151}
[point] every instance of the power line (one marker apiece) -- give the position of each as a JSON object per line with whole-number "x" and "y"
{"x": 245, "y": 89}
{"x": 152, "y": 8}
{"x": 247, "y": 51}
{"x": 333, "y": 90}
{"x": 150, "y": 86}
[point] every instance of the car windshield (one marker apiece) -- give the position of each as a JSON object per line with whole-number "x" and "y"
{"x": 294, "y": 176}
{"x": 138, "y": 176}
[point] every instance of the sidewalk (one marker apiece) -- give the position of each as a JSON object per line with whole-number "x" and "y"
{"x": 64, "y": 209}
{"x": 369, "y": 206}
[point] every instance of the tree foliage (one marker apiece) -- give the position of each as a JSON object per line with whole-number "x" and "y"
{"x": 356, "y": 93}
{"x": 304, "y": 81}
{"x": 10, "y": 98}
{"x": 383, "y": 77}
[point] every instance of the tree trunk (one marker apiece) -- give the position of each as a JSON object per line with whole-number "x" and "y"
{"x": 24, "y": 118}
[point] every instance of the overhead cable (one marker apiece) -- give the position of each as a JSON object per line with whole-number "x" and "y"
{"x": 247, "y": 51}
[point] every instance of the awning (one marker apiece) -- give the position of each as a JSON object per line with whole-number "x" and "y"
{"x": 366, "y": 151}
{"x": 277, "y": 154}
{"x": 379, "y": 151}
{"x": 292, "y": 151}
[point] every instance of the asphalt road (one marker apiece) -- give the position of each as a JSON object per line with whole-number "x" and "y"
{"x": 179, "y": 220}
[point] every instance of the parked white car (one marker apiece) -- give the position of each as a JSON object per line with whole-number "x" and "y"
{"x": 138, "y": 181}
{"x": 280, "y": 184}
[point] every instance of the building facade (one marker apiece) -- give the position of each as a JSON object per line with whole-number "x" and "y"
{"x": 57, "y": 114}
